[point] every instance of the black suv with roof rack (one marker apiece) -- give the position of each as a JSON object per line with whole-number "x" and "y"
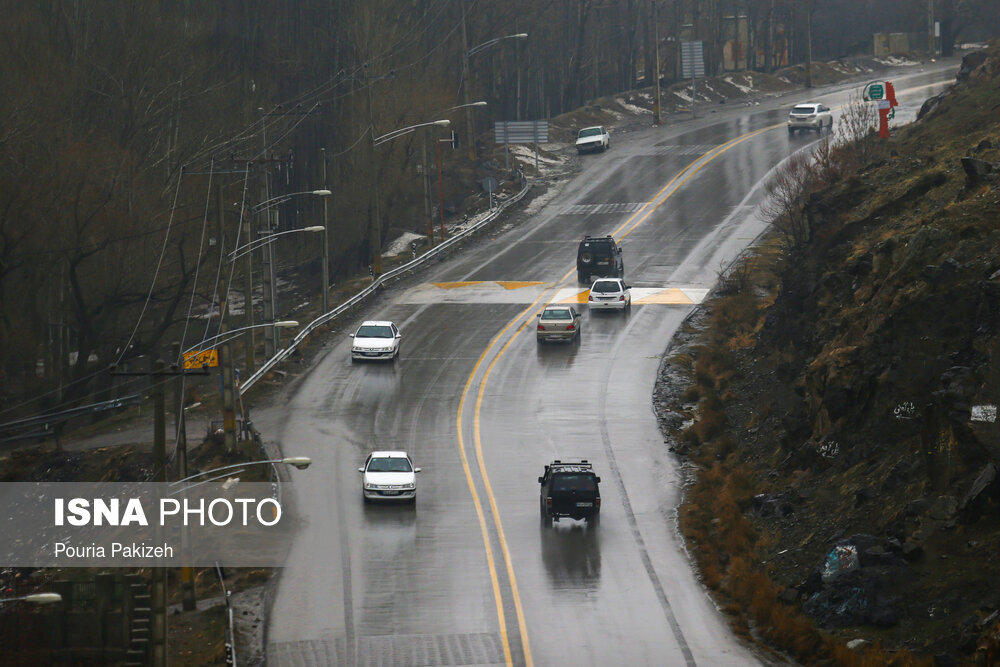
{"x": 599, "y": 256}
{"x": 569, "y": 489}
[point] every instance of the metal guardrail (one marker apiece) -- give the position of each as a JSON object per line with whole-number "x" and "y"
{"x": 65, "y": 415}
{"x": 384, "y": 279}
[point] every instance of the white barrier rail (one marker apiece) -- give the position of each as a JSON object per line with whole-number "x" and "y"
{"x": 385, "y": 278}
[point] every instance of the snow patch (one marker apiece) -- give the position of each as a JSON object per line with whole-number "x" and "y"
{"x": 895, "y": 61}
{"x": 402, "y": 243}
{"x": 631, "y": 108}
{"x": 746, "y": 90}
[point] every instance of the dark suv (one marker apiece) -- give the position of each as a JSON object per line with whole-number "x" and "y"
{"x": 569, "y": 488}
{"x": 599, "y": 256}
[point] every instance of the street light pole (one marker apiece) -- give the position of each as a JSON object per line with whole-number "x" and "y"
{"x": 656, "y": 74}
{"x": 466, "y": 84}
{"x": 326, "y": 242}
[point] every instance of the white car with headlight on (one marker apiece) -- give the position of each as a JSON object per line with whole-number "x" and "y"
{"x": 389, "y": 476}
{"x": 375, "y": 339}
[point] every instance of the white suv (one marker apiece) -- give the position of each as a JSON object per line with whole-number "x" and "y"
{"x": 809, "y": 116}
{"x": 593, "y": 139}
{"x": 388, "y": 476}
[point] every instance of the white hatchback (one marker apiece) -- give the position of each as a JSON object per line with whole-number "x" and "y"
{"x": 388, "y": 476}
{"x": 610, "y": 294}
{"x": 375, "y": 339}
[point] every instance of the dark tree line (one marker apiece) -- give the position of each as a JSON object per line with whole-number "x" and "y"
{"x": 120, "y": 120}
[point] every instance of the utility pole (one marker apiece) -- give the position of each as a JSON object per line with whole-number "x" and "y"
{"x": 466, "y": 84}
{"x": 159, "y": 574}
{"x": 225, "y": 356}
{"x": 809, "y": 44}
{"x": 180, "y": 433}
{"x": 930, "y": 29}
{"x": 427, "y": 190}
{"x": 377, "y": 242}
{"x": 437, "y": 145}
{"x": 248, "y": 296}
{"x": 326, "y": 241}
{"x": 656, "y": 73}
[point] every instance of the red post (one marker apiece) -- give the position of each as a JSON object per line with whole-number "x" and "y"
{"x": 883, "y": 122}
{"x": 437, "y": 145}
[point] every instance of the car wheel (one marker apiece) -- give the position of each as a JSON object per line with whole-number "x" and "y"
{"x": 365, "y": 499}
{"x": 353, "y": 360}
{"x": 594, "y": 520}
{"x": 578, "y": 336}
{"x": 791, "y": 131}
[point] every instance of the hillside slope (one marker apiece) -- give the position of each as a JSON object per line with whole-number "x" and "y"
{"x": 843, "y": 392}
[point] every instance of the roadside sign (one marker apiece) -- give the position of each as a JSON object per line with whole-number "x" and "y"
{"x": 874, "y": 91}
{"x": 692, "y": 60}
{"x": 884, "y": 104}
{"x": 201, "y": 358}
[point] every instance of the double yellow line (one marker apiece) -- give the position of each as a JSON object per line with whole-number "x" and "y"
{"x": 624, "y": 229}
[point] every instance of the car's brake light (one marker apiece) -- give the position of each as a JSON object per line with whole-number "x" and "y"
{"x": 569, "y": 327}
{"x": 598, "y": 502}
{"x": 541, "y": 328}
{"x": 548, "y": 502}
{"x": 621, "y": 298}
{"x": 590, "y": 297}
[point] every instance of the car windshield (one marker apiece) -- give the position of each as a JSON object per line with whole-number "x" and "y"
{"x": 573, "y": 483}
{"x": 374, "y": 331}
{"x": 393, "y": 464}
{"x": 803, "y": 110}
{"x": 557, "y": 314}
{"x": 605, "y": 286}
{"x": 590, "y": 132}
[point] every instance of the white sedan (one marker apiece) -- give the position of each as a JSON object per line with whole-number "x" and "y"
{"x": 376, "y": 339}
{"x": 610, "y": 294}
{"x": 388, "y": 476}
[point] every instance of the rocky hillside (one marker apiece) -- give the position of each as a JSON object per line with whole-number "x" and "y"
{"x": 839, "y": 399}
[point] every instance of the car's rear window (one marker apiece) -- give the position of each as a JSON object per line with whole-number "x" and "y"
{"x": 393, "y": 464}
{"x": 557, "y": 314}
{"x": 605, "y": 286}
{"x": 372, "y": 331}
{"x": 597, "y": 247}
{"x": 590, "y": 132}
{"x": 573, "y": 482}
{"x": 804, "y": 110}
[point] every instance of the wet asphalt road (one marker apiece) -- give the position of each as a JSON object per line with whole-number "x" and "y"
{"x": 469, "y": 575}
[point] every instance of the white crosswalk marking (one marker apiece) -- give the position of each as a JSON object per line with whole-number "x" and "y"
{"x": 589, "y": 209}
{"x": 693, "y": 149}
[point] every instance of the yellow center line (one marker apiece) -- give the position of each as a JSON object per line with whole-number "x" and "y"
{"x": 475, "y": 496}
{"x": 642, "y": 214}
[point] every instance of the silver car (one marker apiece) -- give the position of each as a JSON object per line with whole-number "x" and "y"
{"x": 810, "y": 116}
{"x": 558, "y": 323}
{"x": 610, "y": 294}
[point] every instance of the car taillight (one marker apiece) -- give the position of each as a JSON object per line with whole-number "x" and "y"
{"x": 541, "y": 328}
{"x": 598, "y": 503}
{"x": 621, "y": 298}
{"x": 590, "y": 297}
{"x": 548, "y": 502}
{"x": 569, "y": 327}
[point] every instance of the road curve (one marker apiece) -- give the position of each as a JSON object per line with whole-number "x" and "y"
{"x": 469, "y": 576}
